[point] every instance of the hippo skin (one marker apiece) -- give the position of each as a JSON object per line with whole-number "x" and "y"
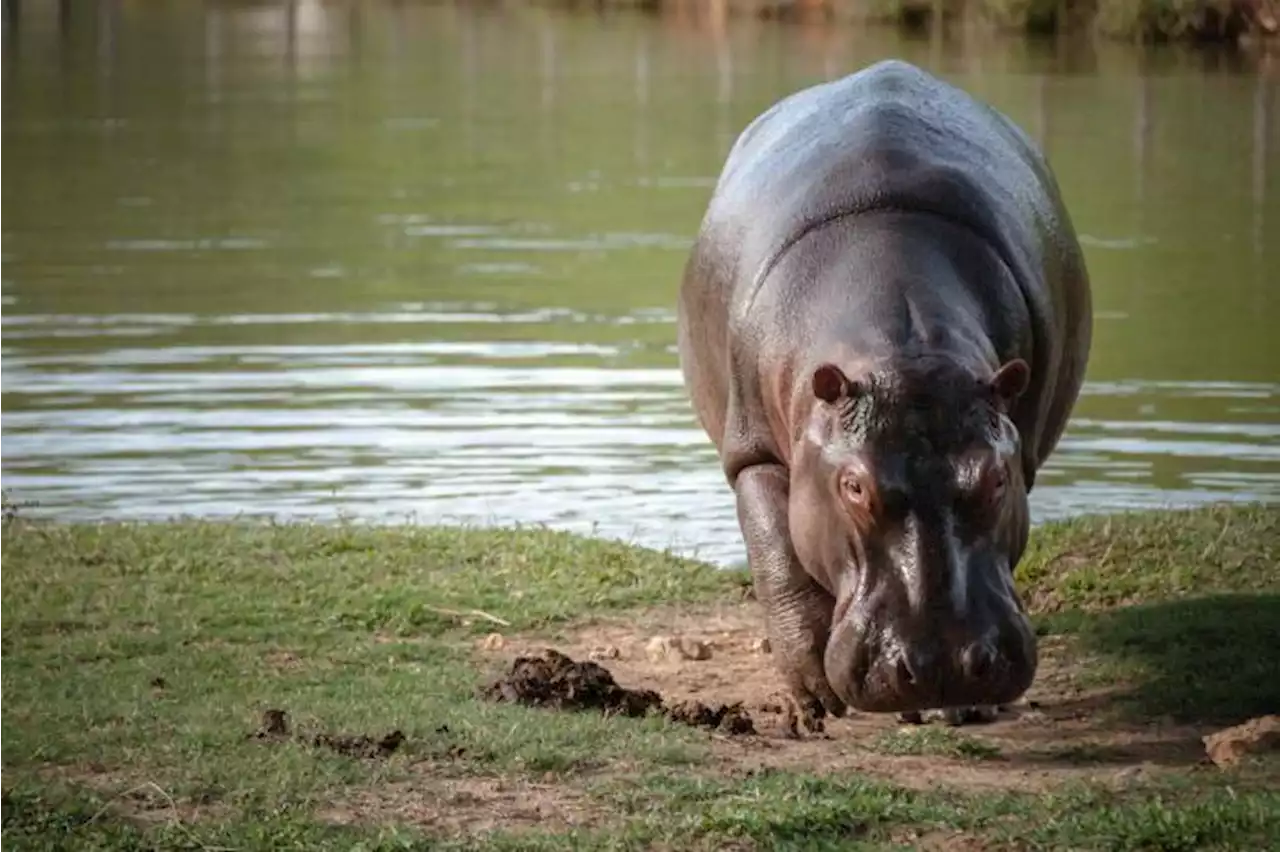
{"x": 884, "y": 323}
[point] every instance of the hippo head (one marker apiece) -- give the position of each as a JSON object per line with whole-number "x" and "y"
{"x": 909, "y": 504}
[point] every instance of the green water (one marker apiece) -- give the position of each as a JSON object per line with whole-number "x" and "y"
{"x": 416, "y": 260}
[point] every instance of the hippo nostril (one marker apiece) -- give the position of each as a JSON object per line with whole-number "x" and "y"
{"x": 978, "y": 660}
{"x": 913, "y": 668}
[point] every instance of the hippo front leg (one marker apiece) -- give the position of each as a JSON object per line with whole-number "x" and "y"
{"x": 797, "y": 609}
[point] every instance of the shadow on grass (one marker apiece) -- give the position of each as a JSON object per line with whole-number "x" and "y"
{"x": 1212, "y": 660}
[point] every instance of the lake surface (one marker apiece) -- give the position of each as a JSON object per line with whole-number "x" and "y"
{"x": 412, "y": 261}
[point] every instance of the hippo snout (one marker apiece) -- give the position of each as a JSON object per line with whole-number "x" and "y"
{"x": 933, "y": 671}
{"x": 917, "y": 668}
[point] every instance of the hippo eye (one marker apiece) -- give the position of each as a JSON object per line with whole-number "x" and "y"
{"x": 854, "y": 490}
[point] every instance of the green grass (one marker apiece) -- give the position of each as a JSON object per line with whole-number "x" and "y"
{"x": 1160, "y": 600}
{"x": 939, "y": 742}
{"x": 362, "y": 629}
{"x": 236, "y": 618}
{"x": 1099, "y": 562}
{"x": 770, "y": 810}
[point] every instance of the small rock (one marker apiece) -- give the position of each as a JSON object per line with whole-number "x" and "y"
{"x": 761, "y": 645}
{"x": 493, "y": 642}
{"x": 661, "y": 648}
{"x": 1128, "y": 775}
{"x": 694, "y": 649}
{"x": 606, "y": 652}
{"x": 1255, "y": 736}
{"x": 911, "y": 717}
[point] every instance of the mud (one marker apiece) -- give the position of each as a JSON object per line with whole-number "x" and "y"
{"x": 275, "y": 728}
{"x": 1063, "y": 730}
{"x": 558, "y": 682}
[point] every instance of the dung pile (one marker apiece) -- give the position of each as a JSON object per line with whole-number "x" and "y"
{"x": 558, "y": 682}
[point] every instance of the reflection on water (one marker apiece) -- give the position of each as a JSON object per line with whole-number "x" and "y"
{"x": 397, "y": 260}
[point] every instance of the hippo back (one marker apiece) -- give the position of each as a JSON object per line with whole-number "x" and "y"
{"x": 892, "y": 137}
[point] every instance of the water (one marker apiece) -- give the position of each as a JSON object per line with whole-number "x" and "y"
{"x": 421, "y": 261}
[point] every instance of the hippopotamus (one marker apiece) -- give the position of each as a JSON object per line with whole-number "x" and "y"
{"x": 883, "y": 326}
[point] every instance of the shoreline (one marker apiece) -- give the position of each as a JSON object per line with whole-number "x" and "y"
{"x": 14, "y": 509}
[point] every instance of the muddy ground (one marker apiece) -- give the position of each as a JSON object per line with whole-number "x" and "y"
{"x": 714, "y": 656}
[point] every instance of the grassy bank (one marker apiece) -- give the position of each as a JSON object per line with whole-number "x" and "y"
{"x": 138, "y": 660}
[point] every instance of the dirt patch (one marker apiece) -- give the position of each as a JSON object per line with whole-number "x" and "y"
{"x": 557, "y": 681}
{"x": 275, "y": 728}
{"x": 468, "y": 805}
{"x": 285, "y": 660}
{"x": 1059, "y": 732}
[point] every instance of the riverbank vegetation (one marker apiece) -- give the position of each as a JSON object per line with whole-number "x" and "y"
{"x": 145, "y": 666}
{"x": 1196, "y": 21}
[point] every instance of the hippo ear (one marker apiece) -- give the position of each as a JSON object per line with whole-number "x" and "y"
{"x": 1011, "y": 380}
{"x": 830, "y": 383}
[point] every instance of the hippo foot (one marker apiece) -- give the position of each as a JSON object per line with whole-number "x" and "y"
{"x": 802, "y": 716}
{"x": 911, "y": 717}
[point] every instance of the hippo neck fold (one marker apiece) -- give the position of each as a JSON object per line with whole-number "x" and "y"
{"x": 907, "y": 299}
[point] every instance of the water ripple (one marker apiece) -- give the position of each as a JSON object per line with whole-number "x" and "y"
{"x": 223, "y": 244}
{"x": 482, "y": 431}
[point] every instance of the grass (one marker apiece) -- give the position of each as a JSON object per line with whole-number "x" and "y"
{"x": 1158, "y": 600}
{"x": 1100, "y": 562}
{"x": 939, "y": 742}
{"x": 138, "y": 658}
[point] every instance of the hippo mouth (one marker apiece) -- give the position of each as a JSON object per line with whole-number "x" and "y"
{"x": 881, "y": 671}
